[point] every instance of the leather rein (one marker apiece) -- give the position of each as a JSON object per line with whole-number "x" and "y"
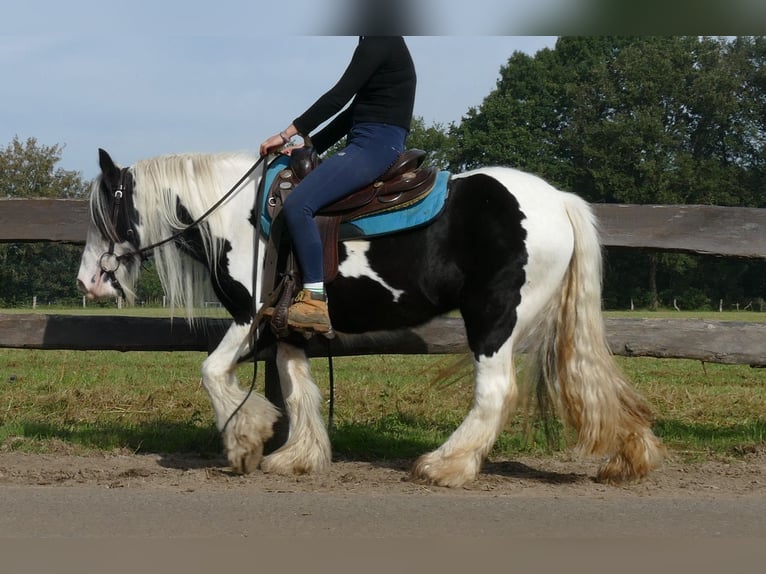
{"x": 109, "y": 262}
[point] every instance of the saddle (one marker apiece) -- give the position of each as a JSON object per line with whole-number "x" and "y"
{"x": 401, "y": 185}
{"x": 404, "y": 183}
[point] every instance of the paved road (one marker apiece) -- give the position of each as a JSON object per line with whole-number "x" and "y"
{"x": 102, "y": 512}
{"x": 132, "y": 530}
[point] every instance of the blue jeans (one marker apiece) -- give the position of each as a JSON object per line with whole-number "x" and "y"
{"x": 370, "y": 151}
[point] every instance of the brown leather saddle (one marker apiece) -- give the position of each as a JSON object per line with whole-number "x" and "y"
{"x": 406, "y": 182}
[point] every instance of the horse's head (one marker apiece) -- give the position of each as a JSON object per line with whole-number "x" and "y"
{"x": 110, "y": 265}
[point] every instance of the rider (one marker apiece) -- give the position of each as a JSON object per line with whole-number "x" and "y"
{"x": 380, "y": 83}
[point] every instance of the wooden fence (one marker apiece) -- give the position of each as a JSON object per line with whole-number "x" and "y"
{"x": 725, "y": 231}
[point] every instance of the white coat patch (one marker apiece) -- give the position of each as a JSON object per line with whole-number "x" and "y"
{"x": 357, "y": 265}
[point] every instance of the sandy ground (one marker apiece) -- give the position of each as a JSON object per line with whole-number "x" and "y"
{"x": 558, "y": 475}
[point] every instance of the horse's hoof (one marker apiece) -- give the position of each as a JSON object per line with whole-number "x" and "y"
{"x": 246, "y": 462}
{"x": 452, "y": 472}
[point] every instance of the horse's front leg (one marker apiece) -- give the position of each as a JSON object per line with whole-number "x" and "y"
{"x": 246, "y": 424}
{"x": 307, "y": 448}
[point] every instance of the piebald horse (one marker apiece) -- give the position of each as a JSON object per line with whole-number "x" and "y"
{"x": 519, "y": 259}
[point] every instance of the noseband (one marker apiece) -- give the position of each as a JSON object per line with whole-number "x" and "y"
{"x": 109, "y": 262}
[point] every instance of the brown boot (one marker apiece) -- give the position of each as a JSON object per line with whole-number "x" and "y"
{"x": 309, "y": 311}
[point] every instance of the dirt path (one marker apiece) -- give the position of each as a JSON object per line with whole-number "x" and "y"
{"x": 164, "y": 496}
{"x": 559, "y": 475}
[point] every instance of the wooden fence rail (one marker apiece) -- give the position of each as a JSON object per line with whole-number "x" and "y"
{"x": 726, "y": 231}
{"x": 710, "y": 341}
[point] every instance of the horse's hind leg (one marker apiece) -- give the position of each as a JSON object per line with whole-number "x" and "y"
{"x": 307, "y": 448}
{"x": 247, "y": 422}
{"x": 458, "y": 461}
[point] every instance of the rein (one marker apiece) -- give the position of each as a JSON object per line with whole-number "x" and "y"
{"x": 109, "y": 262}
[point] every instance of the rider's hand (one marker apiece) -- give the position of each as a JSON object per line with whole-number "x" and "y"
{"x": 273, "y": 144}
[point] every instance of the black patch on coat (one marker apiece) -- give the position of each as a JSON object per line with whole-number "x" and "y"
{"x": 471, "y": 259}
{"x": 232, "y": 294}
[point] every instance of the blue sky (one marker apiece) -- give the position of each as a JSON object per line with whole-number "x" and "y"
{"x": 143, "y": 80}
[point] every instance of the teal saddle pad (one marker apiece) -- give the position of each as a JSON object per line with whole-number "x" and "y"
{"x": 418, "y": 214}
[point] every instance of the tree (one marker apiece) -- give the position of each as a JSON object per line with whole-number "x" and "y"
{"x": 673, "y": 128}
{"x": 632, "y": 120}
{"x": 519, "y": 122}
{"x": 434, "y": 140}
{"x": 28, "y": 170}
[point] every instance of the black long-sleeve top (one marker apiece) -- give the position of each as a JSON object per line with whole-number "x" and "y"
{"x": 381, "y": 80}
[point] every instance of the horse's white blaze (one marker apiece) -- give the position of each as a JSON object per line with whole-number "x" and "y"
{"x": 357, "y": 265}
{"x": 91, "y": 280}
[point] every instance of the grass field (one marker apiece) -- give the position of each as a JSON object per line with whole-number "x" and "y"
{"x": 386, "y": 406}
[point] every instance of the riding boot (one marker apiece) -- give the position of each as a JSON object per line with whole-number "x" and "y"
{"x": 309, "y": 311}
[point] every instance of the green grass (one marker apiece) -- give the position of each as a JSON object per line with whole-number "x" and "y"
{"x": 747, "y": 316}
{"x": 387, "y": 406}
{"x": 703, "y": 408}
{"x": 103, "y": 400}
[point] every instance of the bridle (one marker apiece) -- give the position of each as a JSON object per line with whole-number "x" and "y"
{"x": 109, "y": 262}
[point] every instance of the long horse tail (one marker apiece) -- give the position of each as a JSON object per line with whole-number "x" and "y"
{"x": 577, "y": 376}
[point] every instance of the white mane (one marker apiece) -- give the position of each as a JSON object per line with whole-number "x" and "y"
{"x": 198, "y": 181}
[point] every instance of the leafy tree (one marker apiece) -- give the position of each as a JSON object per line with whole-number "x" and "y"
{"x": 632, "y": 120}
{"x": 44, "y": 270}
{"x": 28, "y": 170}
{"x": 674, "y": 128}
{"x": 435, "y": 140}
{"x": 519, "y": 122}
{"x": 149, "y": 288}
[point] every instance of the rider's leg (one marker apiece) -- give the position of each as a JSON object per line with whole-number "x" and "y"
{"x": 371, "y": 149}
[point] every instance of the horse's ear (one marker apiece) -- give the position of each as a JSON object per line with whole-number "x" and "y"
{"x": 108, "y": 168}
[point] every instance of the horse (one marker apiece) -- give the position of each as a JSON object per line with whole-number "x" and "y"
{"x": 519, "y": 259}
